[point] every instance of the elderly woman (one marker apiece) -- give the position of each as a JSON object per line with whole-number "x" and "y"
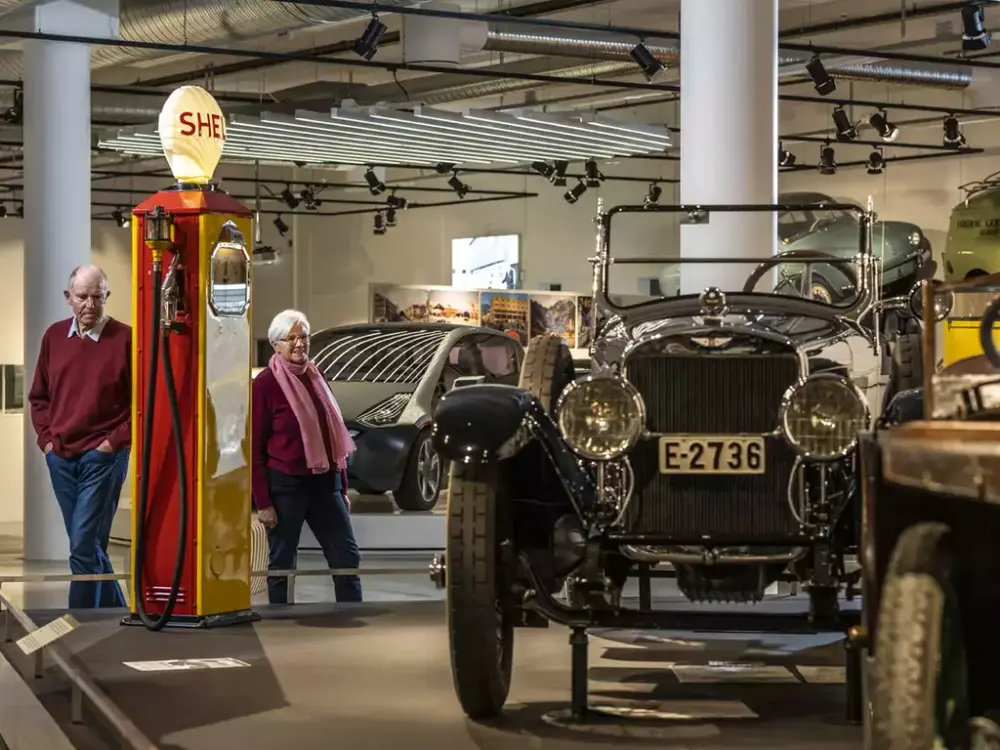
{"x": 300, "y": 449}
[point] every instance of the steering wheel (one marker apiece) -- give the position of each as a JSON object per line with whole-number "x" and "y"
{"x": 827, "y": 288}
{"x": 986, "y": 340}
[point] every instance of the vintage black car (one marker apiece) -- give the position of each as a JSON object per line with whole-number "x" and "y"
{"x": 930, "y": 556}
{"x": 716, "y": 433}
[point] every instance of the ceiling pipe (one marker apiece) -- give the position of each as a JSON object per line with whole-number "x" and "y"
{"x": 196, "y": 22}
{"x": 519, "y": 40}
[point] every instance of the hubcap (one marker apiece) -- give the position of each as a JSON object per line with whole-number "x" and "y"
{"x": 428, "y": 471}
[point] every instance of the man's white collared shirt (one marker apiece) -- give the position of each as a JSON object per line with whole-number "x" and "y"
{"x": 94, "y": 333}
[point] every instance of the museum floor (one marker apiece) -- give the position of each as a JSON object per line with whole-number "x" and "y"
{"x": 376, "y": 676}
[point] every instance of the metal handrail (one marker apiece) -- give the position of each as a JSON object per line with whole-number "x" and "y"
{"x": 84, "y": 686}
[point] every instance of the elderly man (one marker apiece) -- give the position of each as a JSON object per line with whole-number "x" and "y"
{"x": 81, "y": 403}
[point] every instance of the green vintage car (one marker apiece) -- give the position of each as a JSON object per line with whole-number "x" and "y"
{"x": 902, "y": 246}
{"x": 973, "y": 247}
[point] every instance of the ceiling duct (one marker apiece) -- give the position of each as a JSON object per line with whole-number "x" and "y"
{"x": 594, "y": 46}
{"x": 199, "y": 22}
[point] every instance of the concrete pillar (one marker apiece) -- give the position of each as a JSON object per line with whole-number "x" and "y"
{"x": 729, "y": 133}
{"x": 57, "y": 145}
{"x": 431, "y": 40}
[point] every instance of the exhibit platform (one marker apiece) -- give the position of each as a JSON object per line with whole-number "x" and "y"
{"x": 376, "y": 676}
{"x": 379, "y": 526}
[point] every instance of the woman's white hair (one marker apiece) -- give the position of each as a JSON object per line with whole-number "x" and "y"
{"x": 283, "y": 323}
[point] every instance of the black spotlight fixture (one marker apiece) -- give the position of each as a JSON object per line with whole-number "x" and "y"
{"x": 573, "y": 195}
{"x": 953, "y": 136}
{"x": 280, "y": 225}
{"x": 887, "y": 131}
{"x": 390, "y": 217}
{"x": 974, "y": 34}
{"x": 558, "y": 176}
{"x": 308, "y": 198}
{"x": 122, "y": 219}
{"x": 822, "y": 81}
{"x": 444, "y": 168}
{"x": 652, "y": 195}
{"x": 651, "y": 67}
{"x": 367, "y": 44}
{"x": 594, "y": 177}
{"x": 875, "y": 163}
{"x": 3, "y": 211}
{"x": 20, "y": 211}
{"x": 827, "y": 160}
{"x": 785, "y": 158}
{"x": 289, "y": 198}
{"x": 846, "y": 130}
{"x": 397, "y": 201}
{"x": 378, "y": 226}
{"x": 375, "y": 185}
{"x": 14, "y": 115}
{"x": 543, "y": 168}
{"x": 460, "y": 188}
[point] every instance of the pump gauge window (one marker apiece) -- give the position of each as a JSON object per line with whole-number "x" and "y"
{"x": 229, "y": 293}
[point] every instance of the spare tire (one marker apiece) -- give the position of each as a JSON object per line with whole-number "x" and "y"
{"x": 547, "y": 370}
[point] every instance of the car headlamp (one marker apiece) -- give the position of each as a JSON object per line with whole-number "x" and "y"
{"x": 600, "y": 416}
{"x": 943, "y": 302}
{"x": 822, "y": 416}
{"x": 915, "y": 238}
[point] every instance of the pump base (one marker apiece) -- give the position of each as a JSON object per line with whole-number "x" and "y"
{"x": 206, "y": 621}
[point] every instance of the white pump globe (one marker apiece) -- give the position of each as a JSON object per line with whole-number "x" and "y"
{"x": 192, "y": 133}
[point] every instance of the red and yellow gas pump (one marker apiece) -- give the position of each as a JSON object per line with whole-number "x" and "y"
{"x": 191, "y": 362}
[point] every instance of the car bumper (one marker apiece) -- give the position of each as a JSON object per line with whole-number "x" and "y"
{"x": 381, "y": 457}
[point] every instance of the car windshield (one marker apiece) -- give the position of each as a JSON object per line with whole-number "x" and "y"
{"x": 645, "y": 263}
{"x": 375, "y": 354}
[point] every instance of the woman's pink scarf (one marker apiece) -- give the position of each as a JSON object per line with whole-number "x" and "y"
{"x": 287, "y": 375}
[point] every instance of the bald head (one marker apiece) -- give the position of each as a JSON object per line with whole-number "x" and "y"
{"x": 86, "y": 294}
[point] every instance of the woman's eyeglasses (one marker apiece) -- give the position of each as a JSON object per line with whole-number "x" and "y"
{"x": 292, "y": 340}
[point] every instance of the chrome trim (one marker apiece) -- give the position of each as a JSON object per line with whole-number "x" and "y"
{"x": 630, "y": 390}
{"x": 786, "y": 402}
{"x": 708, "y": 556}
{"x": 776, "y": 432}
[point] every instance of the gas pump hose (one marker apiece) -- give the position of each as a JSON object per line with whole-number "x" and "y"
{"x": 157, "y": 622}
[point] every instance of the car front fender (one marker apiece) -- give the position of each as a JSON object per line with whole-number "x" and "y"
{"x": 488, "y": 423}
{"x": 905, "y": 406}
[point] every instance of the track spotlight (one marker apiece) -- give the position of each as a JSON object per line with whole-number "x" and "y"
{"x": 3, "y": 211}
{"x": 121, "y": 218}
{"x": 827, "y": 160}
{"x": 280, "y": 225}
{"x": 573, "y": 195}
{"x": 974, "y": 33}
{"x": 593, "y": 174}
{"x": 887, "y": 131}
{"x": 444, "y": 168}
{"x": 785, "y": 158}
{"x": 558, "y": 176}
{"x": 289, "y": 198}
{"x": 378, "y": 224}
{"x": 651, "y": 67}
{"x": 20, "y": 211}
{"x": 390, "y": 217}
{"x": 545, "y": 169}
{"x": 14, "y": 115}
{"x": 953, "y": 136}
{"x": 460, "y": 188}
{"x": 846, "y": 131}
{"x": 308, "y": 197}
{"x": 653, "y": 195}
{"x": 375, "y": 185}
{"x": 397, "y": 201}
{"x": 875, "y": 163}
{"x": 367, "y": 44}
{"x": 822, "y": 81}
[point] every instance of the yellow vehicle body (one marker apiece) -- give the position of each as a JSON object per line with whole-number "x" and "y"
{"x": 960, "y": 334}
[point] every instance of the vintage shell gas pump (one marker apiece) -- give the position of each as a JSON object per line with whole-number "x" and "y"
{"x": 191, "y": 384}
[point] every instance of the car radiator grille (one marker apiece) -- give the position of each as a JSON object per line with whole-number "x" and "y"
{"x": 711, "y": 394}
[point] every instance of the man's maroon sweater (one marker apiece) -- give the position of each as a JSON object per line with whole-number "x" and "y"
{"x": 81, "y": 394}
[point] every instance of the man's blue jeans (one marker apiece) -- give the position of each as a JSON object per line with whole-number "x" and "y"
{"x": 88, "y": 488}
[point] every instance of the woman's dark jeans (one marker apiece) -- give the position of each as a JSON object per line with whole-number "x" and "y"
{"x": 317, "y": 500}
